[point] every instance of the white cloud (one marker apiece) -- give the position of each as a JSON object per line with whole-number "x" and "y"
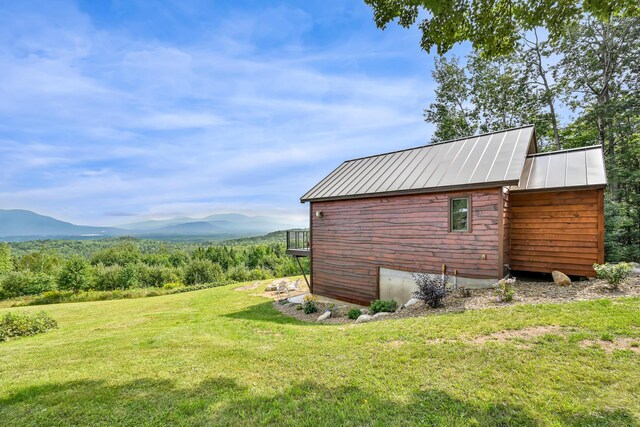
{"x": 105, "y": 123}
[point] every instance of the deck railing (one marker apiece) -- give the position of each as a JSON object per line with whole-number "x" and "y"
{"x": 298, "y": 240}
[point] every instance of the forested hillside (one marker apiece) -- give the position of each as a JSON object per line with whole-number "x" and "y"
{"x": 35, "y": 267}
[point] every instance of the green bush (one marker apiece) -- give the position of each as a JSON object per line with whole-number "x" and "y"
{"x": 76, "y": 275}
{"x": 19, "y": 283}
{"x": 51, "y": 297}
{"x": 381, "y": 305}
{"x": 310, "y": 304}
{"x": 24, "y": 324}
{"x": 173, "y": 285}
{"x": 354, "y": 313}
{"x": 505, "y": 289}
{"x": 614, "y": 274}
{"x": 156, "y": 276}
{"x": 203, "y": 271}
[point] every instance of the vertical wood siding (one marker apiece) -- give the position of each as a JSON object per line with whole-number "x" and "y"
{"x": 410, "y": 232}
{"x": 557, "y": 230}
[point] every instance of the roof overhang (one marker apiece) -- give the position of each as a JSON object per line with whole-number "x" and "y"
{"x": 432, "y": 190}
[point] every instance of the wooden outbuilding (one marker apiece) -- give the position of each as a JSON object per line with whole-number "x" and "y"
{"x": 474, "y": 208}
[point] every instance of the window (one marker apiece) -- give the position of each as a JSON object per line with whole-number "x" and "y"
{"x": 459, "y": 214}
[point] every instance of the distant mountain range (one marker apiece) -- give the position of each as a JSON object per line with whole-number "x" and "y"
{"x": 18, "y": 224}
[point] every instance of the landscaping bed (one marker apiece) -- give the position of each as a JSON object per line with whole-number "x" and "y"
{"x": 527, "y": 292}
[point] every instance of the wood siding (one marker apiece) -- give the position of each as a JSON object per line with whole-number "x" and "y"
{"x": 557, "y": 230}
{"x": 506, "y": 229}
{"x": 354, "y": 238}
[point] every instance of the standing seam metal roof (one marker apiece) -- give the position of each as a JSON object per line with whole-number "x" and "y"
{"x": 579, "y": 167}
{"x": 496, "y": 158}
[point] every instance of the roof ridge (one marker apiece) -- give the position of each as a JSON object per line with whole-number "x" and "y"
{"x": 439, "y": 143}
{"x": 566, "y": 150}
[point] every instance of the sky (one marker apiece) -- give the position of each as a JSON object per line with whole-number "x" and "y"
{"x": 117, "y": 111}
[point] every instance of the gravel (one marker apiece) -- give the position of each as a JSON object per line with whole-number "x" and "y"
{"x": 527, "y": 292}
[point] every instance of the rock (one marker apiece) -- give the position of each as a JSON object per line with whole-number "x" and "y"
{"x": 380, "y": 314}
{"x": 364, "y": 310}
{"x": 560, "y": 278}
{"x": 364, "y": 318}
{"x": 324, "y": 316}
{"x": 270, "y": 288}
{"x": 411, "y": 302}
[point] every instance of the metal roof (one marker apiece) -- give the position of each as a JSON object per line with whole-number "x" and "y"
{"x": 477, "y": 161}
{"x": 580, "y": 167}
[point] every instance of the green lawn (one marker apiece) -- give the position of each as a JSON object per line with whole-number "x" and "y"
{"x": 223, "y": 357}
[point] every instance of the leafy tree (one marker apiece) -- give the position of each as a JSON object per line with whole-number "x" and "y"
{"x": 5, "y": 258}
{"x": 451, "y": 112}
{"x": 490, "y": 95}
{"x": 203, "y": 271}
{"x": 18, "y": 283}
{"x": 534, "y": 54}
{"x": 123, "y": 253}
{"x": 41, "y": 261}
{"x": 492, "y": 26}
{"x": 76, "y": 275}
{"x": 501, "y": 94}
{"x": 599, "y": 68}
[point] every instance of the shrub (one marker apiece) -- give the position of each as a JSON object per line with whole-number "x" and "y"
{"x": 464, "y": 292}
{"x": 76, "y": 275}
{"x": 24, "y": 324}
{"x": 310, "y": 304}
{"x": 5, "y": 258}
{"x": 432, "y": 288}
{"x": 18, "y": 283}
{"x": 614, "y": 274}
{"x": 505, "y": 289}
{"x": 388, "y": 306}
{"x": 354, "y": 313}
{"x": 202, "y": 271}
{"x": 52, "y": 297}
{"x": 106, "y": 278}
{"x": 173, "y": 285}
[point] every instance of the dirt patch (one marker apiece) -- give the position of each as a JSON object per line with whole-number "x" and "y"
{"x": 632, "y": 344}
{"x": 395, "y": 343}
{"x": 523, "y": 334}
{"x": 252, "y": 287}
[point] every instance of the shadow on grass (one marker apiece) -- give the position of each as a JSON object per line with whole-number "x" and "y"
{"x": 221, "y": 401}
{"x": 265, "y": 312}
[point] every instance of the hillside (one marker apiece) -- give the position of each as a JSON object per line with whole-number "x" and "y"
{"x": 225, "y": 357}
{"x": 19, "y": 223}
{"x": 24, "y": 225}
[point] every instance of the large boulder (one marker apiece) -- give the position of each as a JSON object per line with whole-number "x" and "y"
{"x": 560, "y": 278}
{"x": 380, "y": 314}
{"x": 324, "y": 316}
{"x": 412, "y": 301}
{"x": 364, "y": 318}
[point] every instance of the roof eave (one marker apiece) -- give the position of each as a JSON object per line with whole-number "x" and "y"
{"x": 565, "y": 188}
{"x": 431, "y": 190}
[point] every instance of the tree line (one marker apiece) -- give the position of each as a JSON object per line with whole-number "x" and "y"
{"x": 580, "y": 89}
{"x": 571, "y": 68}
{"x": 127, "y": 263}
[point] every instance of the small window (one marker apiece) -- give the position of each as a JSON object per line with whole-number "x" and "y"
{"x": 459, "y": 214}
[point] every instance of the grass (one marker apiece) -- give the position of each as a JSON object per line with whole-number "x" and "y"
{"x": 59, "y": 297}
{"x": 223, "y": 357}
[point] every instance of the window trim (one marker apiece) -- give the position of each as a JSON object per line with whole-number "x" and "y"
{"x": 469, "y": 213}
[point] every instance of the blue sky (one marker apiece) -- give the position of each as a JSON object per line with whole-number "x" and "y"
{"x": 116, "y": 111}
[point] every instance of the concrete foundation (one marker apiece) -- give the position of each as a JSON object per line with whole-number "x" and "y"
{"x": 399, "y": 285}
